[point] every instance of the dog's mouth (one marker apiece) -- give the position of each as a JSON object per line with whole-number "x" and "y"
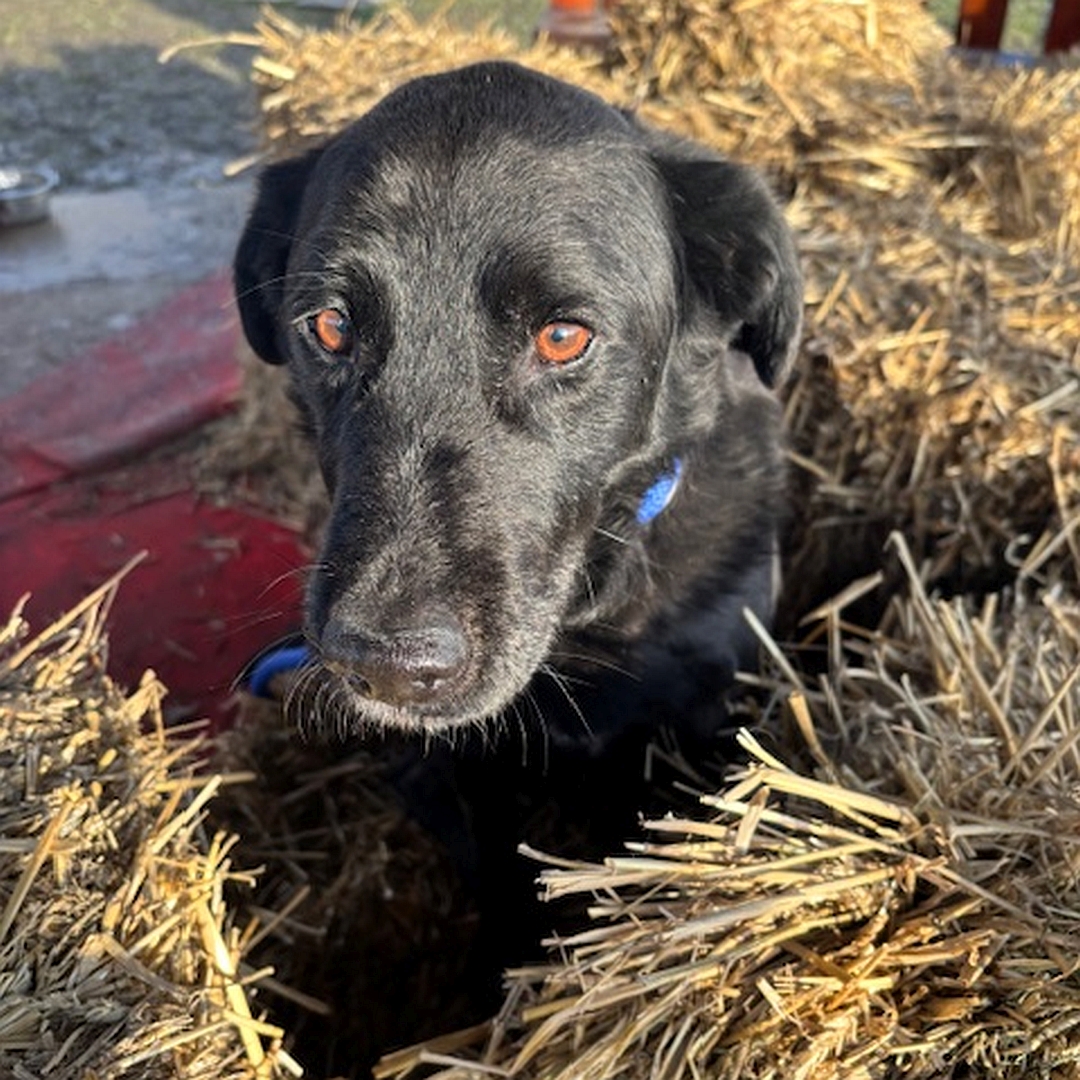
{"x": 356, "y": 709}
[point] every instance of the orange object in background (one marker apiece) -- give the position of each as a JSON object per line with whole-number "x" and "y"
{"x": 576, "y": 22}
{"x": 981, "y": 23}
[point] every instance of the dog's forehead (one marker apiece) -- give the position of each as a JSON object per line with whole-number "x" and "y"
{"x": 486, "y": 98}
{"x": 480, "y": 142}
{"x": 508, "y": 221}
{"x": 504, "y": 182}
{"x": 460, "y": 179}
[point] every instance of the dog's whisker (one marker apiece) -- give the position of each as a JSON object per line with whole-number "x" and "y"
{"x": 608, "y": 534}
{"x": 241, "y": 624}
{"x": 483, "y": 731}
{"x": 329, "y": 710}
{"x": 587, "y": 584}
{"x": 325, "y": 708}
{"x": 268, "y": 283}
{"x": 529, "y": 699}
{"x": 430, "y": 738}
{"x": 290, "y": 704}
{"x": 299, "y": 692}
{"x": 592, "y": 660}
{"x": 345, "y": 719}
{"x": 560, "y": 681}
{"x": 292, "y": 572}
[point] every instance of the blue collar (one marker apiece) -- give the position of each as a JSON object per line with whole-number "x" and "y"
{"x": 659, "y": 494}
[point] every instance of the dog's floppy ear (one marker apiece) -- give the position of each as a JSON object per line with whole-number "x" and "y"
{"x": 739, "y": 254}
{"x": 263, "y": 252}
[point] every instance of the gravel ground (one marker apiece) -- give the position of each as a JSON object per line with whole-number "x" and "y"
{"x": 81, "y": 89}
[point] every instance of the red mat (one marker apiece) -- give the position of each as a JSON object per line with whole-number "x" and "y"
{"x": 171, "y": 372}
{"x": 219, "y": 583}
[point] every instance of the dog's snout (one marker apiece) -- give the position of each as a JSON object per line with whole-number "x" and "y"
{"x": 410, "y": 664}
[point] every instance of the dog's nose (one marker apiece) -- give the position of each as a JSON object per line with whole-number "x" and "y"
{"x": 408, "y": 665}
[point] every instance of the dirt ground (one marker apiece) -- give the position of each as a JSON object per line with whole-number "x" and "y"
{"x": 82, "y": 89}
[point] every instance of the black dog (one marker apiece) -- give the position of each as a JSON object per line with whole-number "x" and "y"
{"x": 533, "y": 341}
{"x": 535, "y": 344}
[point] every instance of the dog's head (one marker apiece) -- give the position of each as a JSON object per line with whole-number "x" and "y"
{"x": 496, "y": 296}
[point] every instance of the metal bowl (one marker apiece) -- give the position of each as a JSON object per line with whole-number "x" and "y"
{"x": 24, "y": 194}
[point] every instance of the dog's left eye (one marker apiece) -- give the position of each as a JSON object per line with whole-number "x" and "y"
{"x": 333, "y": 330}
{"x": 561, "y": 342}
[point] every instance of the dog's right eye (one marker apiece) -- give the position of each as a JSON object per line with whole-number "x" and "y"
{"x": 333, "y": 330}
{"x": 561, "y": 342}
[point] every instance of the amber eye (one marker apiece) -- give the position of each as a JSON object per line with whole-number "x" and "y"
{"x": 561, "y": 342}
{"x": 333, "y": 330}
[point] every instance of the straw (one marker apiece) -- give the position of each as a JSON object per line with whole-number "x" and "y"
{"x": 118, "y": 958}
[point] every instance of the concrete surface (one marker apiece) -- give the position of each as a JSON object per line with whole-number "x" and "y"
{"x": 104, "y": 259}
{"x": 143, "y": 209}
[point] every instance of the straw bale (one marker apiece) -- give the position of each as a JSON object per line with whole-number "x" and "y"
{"x": 904, "y": 903}
{"x": 118, "y": 956}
